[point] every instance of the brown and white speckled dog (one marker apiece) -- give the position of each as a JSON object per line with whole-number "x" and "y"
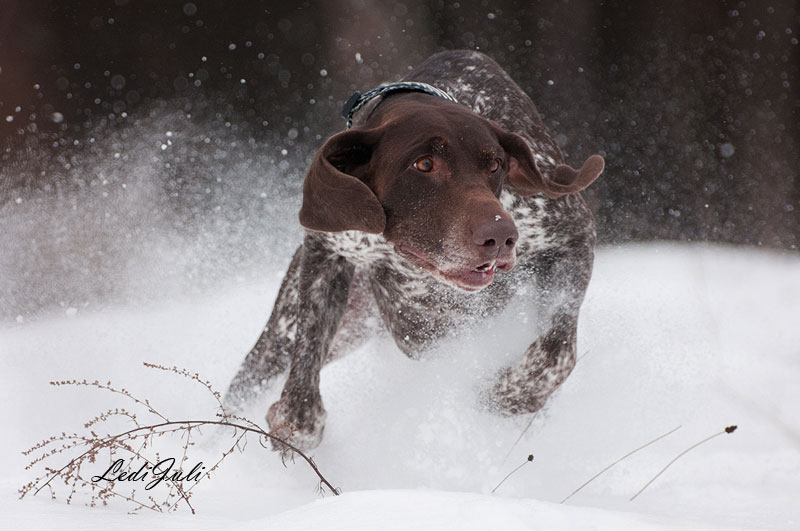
{"x": 412, "y": 212}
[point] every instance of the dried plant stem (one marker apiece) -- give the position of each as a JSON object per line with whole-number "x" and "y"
{"x": 729, "y": 429}
{"x": 521, "y": 435}
{"x": 115, "y": 441}
{"x": 108, "y": 387}
{"x": 214, "y": 467}
{"x": 140, "y": 437}
{"x": 574, "y": 492}
{"x": 528, "y": 460}
{"x": 187, "y": 424}
{"x": 192, "y": 376}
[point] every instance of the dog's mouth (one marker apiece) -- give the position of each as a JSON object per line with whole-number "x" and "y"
{"x": 470, "y": 280}
{"x": 479, "y": 277}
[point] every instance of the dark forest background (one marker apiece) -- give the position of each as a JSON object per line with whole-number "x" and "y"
{"x": 209, "y": 110}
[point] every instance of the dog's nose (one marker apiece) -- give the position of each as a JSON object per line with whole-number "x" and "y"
{"x": 496, "y": 236}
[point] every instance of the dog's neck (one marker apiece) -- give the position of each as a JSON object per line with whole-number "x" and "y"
{"x": 378, "y": 94}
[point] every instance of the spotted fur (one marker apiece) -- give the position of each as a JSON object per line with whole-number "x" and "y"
{"x": 337, "y": 282}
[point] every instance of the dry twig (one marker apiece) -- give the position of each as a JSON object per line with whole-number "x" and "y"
{"x": 134, "y": 442}
{"x": 729, "y": 429}
{"x": 574, "y": 492}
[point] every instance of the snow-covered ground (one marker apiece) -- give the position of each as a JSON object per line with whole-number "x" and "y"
{"x": 670, "y": 334}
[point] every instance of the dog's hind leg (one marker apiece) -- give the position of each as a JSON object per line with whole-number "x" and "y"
{"x": 269, "y": 357}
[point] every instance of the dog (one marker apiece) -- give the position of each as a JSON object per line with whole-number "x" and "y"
{"x": 447, "y": 196}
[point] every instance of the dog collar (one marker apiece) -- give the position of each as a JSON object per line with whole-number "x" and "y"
{"x": 358, "y": 99}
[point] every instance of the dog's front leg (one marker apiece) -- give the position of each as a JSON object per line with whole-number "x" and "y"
{"x": 269, "y": 357}
{"x": 562, "y": 279}
{"x": 323, "y": 289}
{"x": 526, "y": 387}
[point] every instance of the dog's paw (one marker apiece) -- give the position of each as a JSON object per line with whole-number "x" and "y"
{"x": 512, "y": 394}
{"x": 300, "y": 427}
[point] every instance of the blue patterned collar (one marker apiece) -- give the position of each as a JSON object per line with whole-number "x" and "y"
{"x": 358, "y": 99}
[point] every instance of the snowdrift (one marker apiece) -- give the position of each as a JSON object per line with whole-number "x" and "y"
{"x": 670, "y": 334}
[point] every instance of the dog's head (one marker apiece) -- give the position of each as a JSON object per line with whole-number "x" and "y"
{"x": 427, "y": 174}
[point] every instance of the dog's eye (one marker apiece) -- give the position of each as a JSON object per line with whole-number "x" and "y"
{"x": 425, "y": 164}
{"x": 495, "y": 165}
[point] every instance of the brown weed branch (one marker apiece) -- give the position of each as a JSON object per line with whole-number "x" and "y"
{"x": 135, "y": 440}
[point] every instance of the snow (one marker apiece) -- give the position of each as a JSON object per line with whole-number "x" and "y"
{"x": 670, "y": 334}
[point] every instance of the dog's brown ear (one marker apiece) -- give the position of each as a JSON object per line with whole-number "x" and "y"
{"x": 334, "y": 199}
{"x": 525, "y": 177}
